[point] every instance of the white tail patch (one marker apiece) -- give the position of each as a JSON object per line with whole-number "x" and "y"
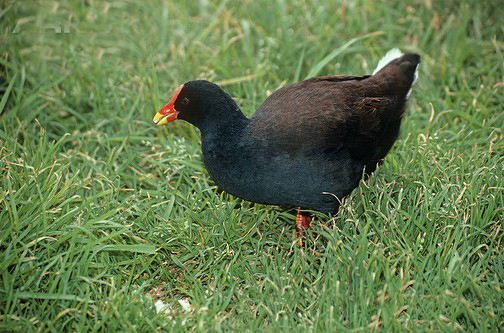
{"x": 414, "y": 80}
{"x": 391, "y": 55}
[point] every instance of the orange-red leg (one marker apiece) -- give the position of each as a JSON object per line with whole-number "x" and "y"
{"x": 302, "y": 224}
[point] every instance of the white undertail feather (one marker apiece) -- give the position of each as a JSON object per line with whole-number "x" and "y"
{"x": 389, "y": 56}
{"x": 414, "y": 80}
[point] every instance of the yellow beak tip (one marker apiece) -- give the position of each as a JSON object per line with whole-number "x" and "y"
{"x": 159, "y": 119}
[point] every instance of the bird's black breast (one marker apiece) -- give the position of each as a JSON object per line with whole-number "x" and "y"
{"x": 261, "y": 173}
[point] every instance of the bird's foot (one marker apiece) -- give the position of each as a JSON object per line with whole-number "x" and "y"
{"x": 302, "y": 224}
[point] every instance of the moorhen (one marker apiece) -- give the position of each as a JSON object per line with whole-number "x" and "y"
{"x": 308, "y": 144}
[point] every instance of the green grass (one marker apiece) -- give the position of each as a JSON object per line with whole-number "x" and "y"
{"x": 102, "y": 213}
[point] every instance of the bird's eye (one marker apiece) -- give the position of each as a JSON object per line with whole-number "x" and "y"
{"x": 185, "y": 101}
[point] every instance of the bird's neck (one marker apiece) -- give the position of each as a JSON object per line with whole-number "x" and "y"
{"x": 226, "y": 125}
{"x": 225, "y": 150}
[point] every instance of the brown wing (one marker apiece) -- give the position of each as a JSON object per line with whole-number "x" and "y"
{"x": 320, "y": 113}
{"x": 376, "y": 127}
{"x": 361, "y": 114}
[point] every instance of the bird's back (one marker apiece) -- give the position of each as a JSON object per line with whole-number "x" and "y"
{"x": 358, "y": 113}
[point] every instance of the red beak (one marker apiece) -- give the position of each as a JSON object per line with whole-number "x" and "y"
{"x": 168, "y": 112}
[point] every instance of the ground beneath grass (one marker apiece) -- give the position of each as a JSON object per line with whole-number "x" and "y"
{"x": 108, "y": 223}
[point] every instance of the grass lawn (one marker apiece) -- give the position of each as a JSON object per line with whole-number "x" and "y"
{"x": 102, "y": 214}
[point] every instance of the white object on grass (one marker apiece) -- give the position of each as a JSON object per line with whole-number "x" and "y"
{"x": 162, "y": 307}
{"x": 184, "y": 303}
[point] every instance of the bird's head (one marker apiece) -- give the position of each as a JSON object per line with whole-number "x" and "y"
{"x": 194, "y": 101}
